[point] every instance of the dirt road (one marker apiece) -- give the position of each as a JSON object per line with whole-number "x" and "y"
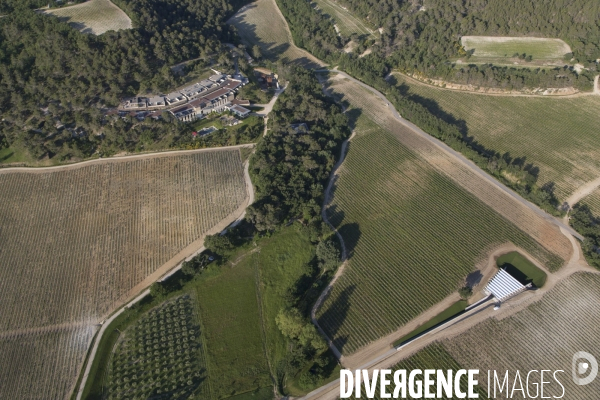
{"x": 142, "y": 289}
{"x": 489, "y": 92}
{"x": 119, "y": 159}
{"x": 459, "y": 157}
{"x": 340, "y": 270}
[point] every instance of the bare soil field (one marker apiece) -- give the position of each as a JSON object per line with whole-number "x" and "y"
{"x": 78, "y": 241}
{"x": 262, "y": 23}
{"x": 93, "y": 16}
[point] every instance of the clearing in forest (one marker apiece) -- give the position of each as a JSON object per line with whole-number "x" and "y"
{"x": 493, "y": 49}
{"x": 78, "y": 241}
{"x": 544, "y": 335}
{"x": 557, "y": 135}
{"x": 261, "y": 23}
{"x": 93, "y": 16}
{"x": 346, "y": 22}
{"x": 412, "y": 233}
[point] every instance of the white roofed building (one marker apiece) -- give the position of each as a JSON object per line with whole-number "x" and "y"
{"x": 504, "y": 286}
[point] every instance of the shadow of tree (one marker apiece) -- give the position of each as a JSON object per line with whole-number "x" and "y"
{"x": 333, "y": 318}
{"x": 473, "y": 278}
{"x": 351, "y": 234}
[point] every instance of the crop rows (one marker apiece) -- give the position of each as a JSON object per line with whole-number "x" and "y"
{"x": 414, "y": 236}
{"x": 42, "y": 364}
{"x": 261, "y": 23}
{"x": 506, "y": 47}
{"x": 593, "y": 202}
{"x": 526, "y": 219}
{"x": 94, "y": 16}
{"x": 557, "y": 135}
{"x": 431, "y": 357}
{"x": 545, "y": 335}
{"x": 161, "y": 354}
{"x": 76, "y": 241}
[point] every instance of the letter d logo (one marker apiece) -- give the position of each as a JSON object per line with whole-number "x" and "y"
{"x": 582, "y": 363}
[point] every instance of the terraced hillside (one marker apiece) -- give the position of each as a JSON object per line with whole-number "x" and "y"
{"x": 261, "y": 23}
{"x": 94, "y": 16}
{"x": 557, "y": 135}
{"x": 77, "y": 241}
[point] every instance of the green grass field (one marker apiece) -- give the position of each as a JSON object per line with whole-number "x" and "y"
{"x": 413, "y": 236}
{"x": 502, "y": 49}
{"x": 10, "y": 155}
{"x": 222, "y": 336}
{"x": 544, "y": 335}
{"x": 527, "y": 268}
{"x": 284, "y": 267}
{"x": 557, "y": 135}
{"x": 93, "y": 16}
{"x": 448, "y": 313}
{"x": 346, "y": 22}
{"x": 231, "y": 324}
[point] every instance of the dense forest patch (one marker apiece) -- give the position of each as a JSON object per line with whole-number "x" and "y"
{"x": 51, "y": 74}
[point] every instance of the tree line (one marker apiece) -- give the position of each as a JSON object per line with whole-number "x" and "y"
{"x": 424, "y": 38}
{"x": 289, "y": 171}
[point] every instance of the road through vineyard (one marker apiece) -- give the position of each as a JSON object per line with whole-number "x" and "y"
{"x": 74, "y": 242}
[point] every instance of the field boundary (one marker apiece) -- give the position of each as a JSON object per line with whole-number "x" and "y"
{"x": 344, "y": 258}
{"x": 167, "y": 153}
{"x": 141, "y": 290}
{"x": 460, "y": 158}
{"x": 486, "y": 90}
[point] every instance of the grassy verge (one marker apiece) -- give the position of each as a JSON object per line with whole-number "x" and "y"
{"x": 439, "y": 319}
{"x": 522, "y": 269}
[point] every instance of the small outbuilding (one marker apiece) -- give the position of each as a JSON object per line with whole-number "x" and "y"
{"x": 240, "y": 111}
{"x": 504, "y": 286}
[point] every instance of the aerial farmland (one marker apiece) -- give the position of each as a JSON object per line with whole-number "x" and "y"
{"x": 79, "y": 241}
{"x": 94, "y": 16}
{"x": 411, "y": 204}
{"x": 556, "y": 135}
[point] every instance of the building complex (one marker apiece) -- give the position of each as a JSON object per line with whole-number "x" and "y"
{"x": 215, "y": 94}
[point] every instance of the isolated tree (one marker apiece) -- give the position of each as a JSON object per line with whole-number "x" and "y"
{"x": 328, "y": 255}
{"x": 465, "y": 292}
